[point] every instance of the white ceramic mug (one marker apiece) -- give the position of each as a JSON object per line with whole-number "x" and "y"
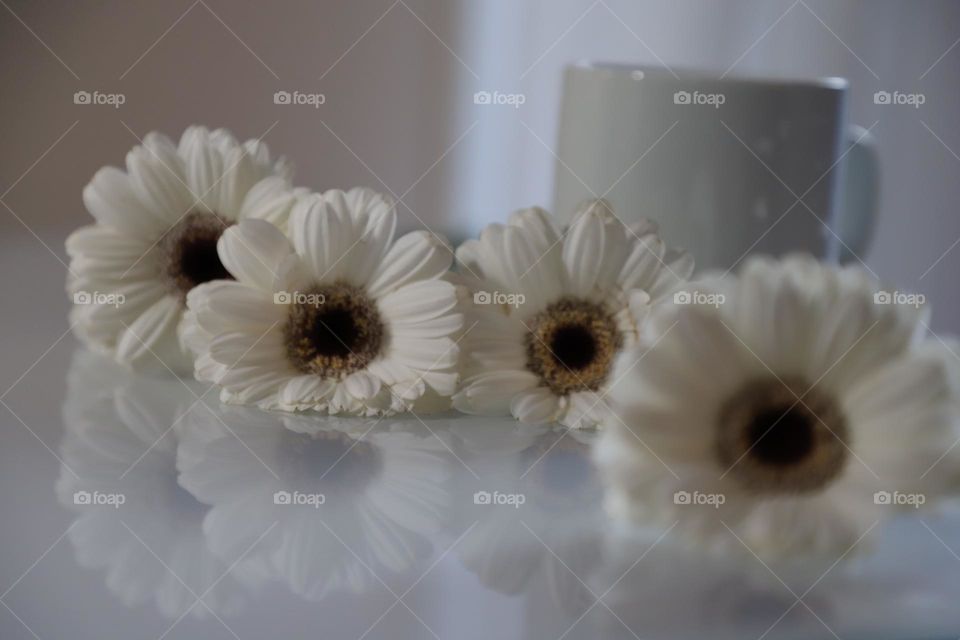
{"x": 726, "y": 166}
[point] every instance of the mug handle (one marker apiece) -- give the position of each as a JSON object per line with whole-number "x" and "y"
{"x": 860, "y": 194}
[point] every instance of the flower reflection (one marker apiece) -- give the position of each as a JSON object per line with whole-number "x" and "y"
{"x": 658, "y": 586}
{"x": 321, "y": 504}
{"x": 119, "y": 474}
{"x": 552, "y": 524}
{"x": 661, "y": 585}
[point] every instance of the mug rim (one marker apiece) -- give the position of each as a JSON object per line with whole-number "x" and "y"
{"x": 639, "y": 72}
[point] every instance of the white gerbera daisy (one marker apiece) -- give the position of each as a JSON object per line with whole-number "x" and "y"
{"x": 155, "y": 238}
{"x": 781, "y": 411}
{"x": 343, "y": 320}
{"x": 554, "y": 310}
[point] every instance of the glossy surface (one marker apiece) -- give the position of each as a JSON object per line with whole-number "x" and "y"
{"x": 392, "y": 537}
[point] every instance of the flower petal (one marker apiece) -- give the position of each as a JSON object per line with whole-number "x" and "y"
{"x": 362, "y": 385}
{"x": 535, "y": 406}
{"x": 112, "y": 200}
{"x": 491, "y": 393}
{"x": 269, "y": 199}
{"x": 323, "y": 235}
{"x": 252, "y": 251}
{"x": 152, "y": 337}
{"x": 159, "y": 184}
{"x": 583, "y": 252}
{"x": 419, "y": 255}
{"x": 426, "y": 355}
{"x": 419, "y": 301}
{"x": 306, "y": 390}
{"x": 204, "y": 168}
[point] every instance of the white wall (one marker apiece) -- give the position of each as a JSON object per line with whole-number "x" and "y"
{"x": 875, "y": 44}
{"x": 399, "y": 96}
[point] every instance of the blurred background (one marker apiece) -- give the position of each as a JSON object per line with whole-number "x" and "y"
{"x": 398, "y": 79}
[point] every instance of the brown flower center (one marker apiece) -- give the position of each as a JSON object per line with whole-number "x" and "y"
{"x": 571, "y": 345}
{"x": 189, "y": 251}
{"x": 773, "y": 443}
{"x": 333, "y": 330}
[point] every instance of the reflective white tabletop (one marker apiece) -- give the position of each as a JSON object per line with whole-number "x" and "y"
{"x": 139, "y": 507}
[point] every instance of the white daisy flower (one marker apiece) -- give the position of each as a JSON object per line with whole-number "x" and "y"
{"x": 798, "y": 409}
{"x": 155, "y": 238}
{"x": 554, "y": 310}
{"x": 343, "y": 319}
